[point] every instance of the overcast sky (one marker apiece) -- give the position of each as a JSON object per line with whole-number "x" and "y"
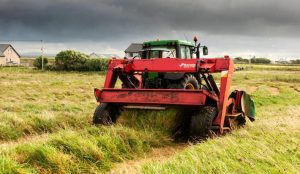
{"x": 234, "y": 27}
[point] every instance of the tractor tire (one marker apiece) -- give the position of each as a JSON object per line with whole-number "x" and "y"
{"x": 187, "y": 82}
{"x": 180, "y": 131}
{"x": 201, "y": 121}
{"x": 105, "y": 114}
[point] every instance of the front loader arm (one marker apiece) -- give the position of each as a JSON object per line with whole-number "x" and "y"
{"x": 112, "y": 74}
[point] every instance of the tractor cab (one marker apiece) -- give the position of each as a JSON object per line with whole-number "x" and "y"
{"x": 180, "y": 49}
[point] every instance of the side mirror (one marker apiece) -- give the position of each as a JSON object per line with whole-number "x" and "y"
{"x": 205, "y": 50}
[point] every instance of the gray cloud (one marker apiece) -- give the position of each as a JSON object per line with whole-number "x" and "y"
{"x": 120, "y": 21}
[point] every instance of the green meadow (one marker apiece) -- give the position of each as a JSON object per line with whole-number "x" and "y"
{"x": 45, "y": 127}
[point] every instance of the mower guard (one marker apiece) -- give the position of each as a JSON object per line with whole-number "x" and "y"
{"x": 153, "y": 96}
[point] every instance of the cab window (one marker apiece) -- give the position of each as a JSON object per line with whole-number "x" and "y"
{"x": 182, "y": 52}
{"x": 185, "y": 52}
{"x": 154, "y": 54}
{"x": 188, "y": 52}
{"x": 169, "y": 54}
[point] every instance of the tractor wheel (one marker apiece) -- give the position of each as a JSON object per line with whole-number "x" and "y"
{"x": 105, "y": 114}
{"x": 180, "y": 132}
{"x": 201, "y": 121}
{"x": 187, "y": 82}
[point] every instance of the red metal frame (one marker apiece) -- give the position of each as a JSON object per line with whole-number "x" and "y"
{"x": 168, "y": 96}
{"x": 154, "y": 96}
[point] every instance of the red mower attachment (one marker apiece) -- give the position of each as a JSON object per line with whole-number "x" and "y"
{"x": 159, "y": 83}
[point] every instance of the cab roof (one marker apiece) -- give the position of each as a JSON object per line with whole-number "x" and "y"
{"x": 167, "y": 42}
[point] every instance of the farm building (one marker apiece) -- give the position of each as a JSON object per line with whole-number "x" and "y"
{"x": 96, "y": 55}
{"x": 8, "y": 55}
{"x": 133, "y": 50}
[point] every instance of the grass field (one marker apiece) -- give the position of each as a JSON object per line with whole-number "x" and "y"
{"x": 45, "y": 128}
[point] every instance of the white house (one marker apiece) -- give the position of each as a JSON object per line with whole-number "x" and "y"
{"x": 96, "y": 55}
{"x": 8, "y": 55}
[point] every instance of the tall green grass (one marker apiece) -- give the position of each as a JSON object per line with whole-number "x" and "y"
{"x": 60, "y": 105}
{"x": 45, "y": 128}
{"x": 269, "y": 145}
{"x": 258, "y": 148}
{"x": 34, "y": 102}
{"x": 91, "y": 150}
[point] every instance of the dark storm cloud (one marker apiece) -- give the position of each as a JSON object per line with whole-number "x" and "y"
{"x": 107, "y": 20}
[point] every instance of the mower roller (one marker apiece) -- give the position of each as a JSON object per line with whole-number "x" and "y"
{"x": 170, "y": 73}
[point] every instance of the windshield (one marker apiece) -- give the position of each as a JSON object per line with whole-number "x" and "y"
{"x": 159, "y": 52}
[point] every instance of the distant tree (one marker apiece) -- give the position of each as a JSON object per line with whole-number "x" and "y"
{"x": 38, "y": 62}
{"x": 240, "y": 60}
{"x": 75, "y": 61}
{"x": 237, "y": 59}
{"x": 296, "y": 61}
{"x": 70, "y": 60}
{"x": 261, "y": 60}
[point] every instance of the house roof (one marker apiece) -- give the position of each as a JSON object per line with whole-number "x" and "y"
{"x": 94, "y": 55}
{"x": 3, "y": 47}
{"x": 134, "y": 48}
{"x": 103, "y": 55}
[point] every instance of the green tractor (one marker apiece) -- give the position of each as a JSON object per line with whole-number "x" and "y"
{"x": 179, "y": 49}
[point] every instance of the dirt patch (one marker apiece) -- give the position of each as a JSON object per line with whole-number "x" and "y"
{"x": 252, "y": 89}
{"x": 274, "y": 90}
{"x": 157, "y": 155}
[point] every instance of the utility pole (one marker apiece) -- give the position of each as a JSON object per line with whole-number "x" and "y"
{"x": 42, "y": 49}
{"x": 250, "y": 60}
